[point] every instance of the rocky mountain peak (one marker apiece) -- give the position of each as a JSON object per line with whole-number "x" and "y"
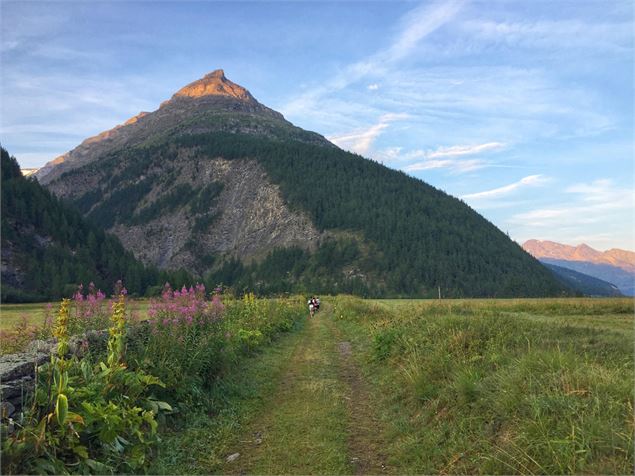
{"x": 214, "y": 84}
{"x": 624, "y": 259}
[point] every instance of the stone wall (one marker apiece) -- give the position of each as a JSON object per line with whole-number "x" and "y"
{"x": 17, "y": 371}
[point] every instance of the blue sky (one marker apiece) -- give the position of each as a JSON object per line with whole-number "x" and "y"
{"x": 522, "y": 109}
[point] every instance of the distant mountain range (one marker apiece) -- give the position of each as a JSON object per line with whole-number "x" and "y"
{"x": 583, "y": 283}
{"x": 217, "y": 183}
{"x": 615, "y": 266}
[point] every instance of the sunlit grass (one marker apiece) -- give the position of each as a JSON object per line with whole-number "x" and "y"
{"x": 501, "y": 386}
{"x": 13, "y": 314}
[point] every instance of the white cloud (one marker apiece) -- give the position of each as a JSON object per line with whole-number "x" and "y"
{"x": 416, "y": 25}
{"x": 361, "y": 140}
{"x": 598, "y": 213}
{"x": 419, "y": 23}
{"x": 561, "y": 34}
{"x": 600, "y": 190}
{"x": 460, "y": 166}
{"x": 88, "y": 105}
{"x": 373, "y": 87}
{"x": 529, "y": 181}
{"x": 440, "y": 158}
{"x": 594, "y": 202}
{"x": 459, "y": 150}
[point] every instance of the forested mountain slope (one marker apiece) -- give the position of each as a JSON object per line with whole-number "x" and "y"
{"x": 233, "y": 191}
{"x": 48, "y": 248}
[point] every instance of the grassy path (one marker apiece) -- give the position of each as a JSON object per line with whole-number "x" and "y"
{"x": 319, "y": 419}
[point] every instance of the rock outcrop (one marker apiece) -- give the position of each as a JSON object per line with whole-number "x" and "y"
{"x": 214, "y": 84}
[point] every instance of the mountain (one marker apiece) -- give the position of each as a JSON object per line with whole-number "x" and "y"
{"x": 48, "y": 248}
{"x": 549, "y": 249}
{"x": 28, "y": 172}
{"x": 215, "y": 182}
{"x": 615, "y": 266}
{"x": 583, "y": 283}
{"x": 210, "y": 104}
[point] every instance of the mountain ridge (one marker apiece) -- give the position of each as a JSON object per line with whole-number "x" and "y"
{"x": 623, "y": 259}
{"x": 48, "y": 248}
{"x": 583, "y": 283}
{"x": 615, "y": 265}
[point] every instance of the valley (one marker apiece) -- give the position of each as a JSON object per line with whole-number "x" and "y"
{"x": 180, "y": 181}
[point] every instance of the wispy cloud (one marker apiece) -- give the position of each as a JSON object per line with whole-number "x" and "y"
{"x": 459, "y": 150}
{"x": 373, "y": 87}
{"x": 451, "y": 157}
{"x": 459, "y": 166}
{"x": 616, "y": 36}
{"x": 590, "y": 203}
{"x": 529, "y": 181}
{"x": 361, "y": 140}
{"x": 601, "y": 190}
{"x": 598, "y": 213}
{"x": 88, "y": 106}
{"x": 415, "y": 26}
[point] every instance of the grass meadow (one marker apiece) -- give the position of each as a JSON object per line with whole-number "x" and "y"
{"x": 516, "y": 386}
{"x": 500, "y": 386}
{"x": 34, "y": 314}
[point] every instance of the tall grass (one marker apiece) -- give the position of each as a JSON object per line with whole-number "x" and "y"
{"x": 485, "y": 387}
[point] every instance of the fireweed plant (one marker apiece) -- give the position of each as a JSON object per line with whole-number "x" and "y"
{"x": 195, "y": 338}
{"x": 89, "y": 310}
{"x": 183, "y": 341}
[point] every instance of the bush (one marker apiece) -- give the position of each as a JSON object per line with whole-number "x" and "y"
{"x": 87, "y": 418}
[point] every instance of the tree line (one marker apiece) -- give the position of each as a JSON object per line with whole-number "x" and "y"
{"x": 51, "y": 248}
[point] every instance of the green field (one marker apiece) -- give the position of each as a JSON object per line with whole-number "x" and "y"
{"x": 520, "y": 386}
{"x": 12, "y": 314}
{"x": 460, "y": 386}
{"x": 34, "y": 313}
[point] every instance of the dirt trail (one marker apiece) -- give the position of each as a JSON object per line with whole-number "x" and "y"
{"x": 320, "y": 419}
{"x": 365, "y": 442}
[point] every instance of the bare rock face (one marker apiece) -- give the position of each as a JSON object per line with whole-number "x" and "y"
{"x": 251, "y": 216}
{"x": 214, "y": 84}
{"x": 9, "y": 271}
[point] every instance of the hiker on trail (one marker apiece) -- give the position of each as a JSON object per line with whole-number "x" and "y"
{"x": 311, "y": 306}
{"x": 316, "y": 303}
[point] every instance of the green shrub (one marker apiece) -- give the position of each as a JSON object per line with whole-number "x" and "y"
{"x": 87, "y": 418}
